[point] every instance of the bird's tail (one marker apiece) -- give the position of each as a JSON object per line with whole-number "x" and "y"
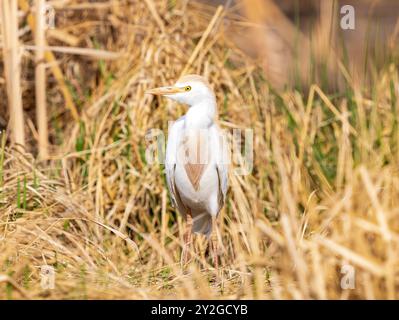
{"x": 202, "y": 223}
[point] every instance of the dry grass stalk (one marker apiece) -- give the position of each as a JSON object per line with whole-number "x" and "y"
{"x": 49, "y": 56}
{"x": 92, "y": 53}
{"x": 204, "y": 36}
{"x": 40, "y": 79}
{"x": 323, "y": 194}
{"x": 11, "y": 54}
{"x": 154, "y": 13}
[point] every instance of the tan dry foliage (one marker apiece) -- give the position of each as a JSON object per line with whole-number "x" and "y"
{"x": 101, "y": 215}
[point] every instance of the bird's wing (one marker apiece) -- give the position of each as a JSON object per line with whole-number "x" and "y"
{"x": 222, "y": 163}
{"x": 175, "y": 135}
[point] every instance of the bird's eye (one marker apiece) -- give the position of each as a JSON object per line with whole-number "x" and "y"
{"x": 188, "y": 88}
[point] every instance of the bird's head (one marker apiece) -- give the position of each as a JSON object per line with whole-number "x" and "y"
{"x": 189, "y": 89}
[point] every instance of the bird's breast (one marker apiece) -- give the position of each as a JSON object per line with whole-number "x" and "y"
{"x": 196, "y": 176}
{"x": 195, "y": 155}
{"x": 196, "y": 196}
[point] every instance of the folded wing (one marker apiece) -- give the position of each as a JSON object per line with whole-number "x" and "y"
{"x": 175, "y": 134}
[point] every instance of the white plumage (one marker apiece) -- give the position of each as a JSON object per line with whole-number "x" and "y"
{"x": 196, "y": 158}
{"x": 206, "y": 201}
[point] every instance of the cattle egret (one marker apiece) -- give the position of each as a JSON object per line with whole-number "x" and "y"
{"x": 196, "y": 166}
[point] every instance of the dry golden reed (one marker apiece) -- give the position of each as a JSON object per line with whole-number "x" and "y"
{"x": 323, "y": 194}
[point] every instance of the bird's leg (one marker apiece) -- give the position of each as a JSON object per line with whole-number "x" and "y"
{"x": 187, "y": 240}
{"x": 214, "y": 244}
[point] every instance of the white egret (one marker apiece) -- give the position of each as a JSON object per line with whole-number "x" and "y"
{"x": 196, "y": 166}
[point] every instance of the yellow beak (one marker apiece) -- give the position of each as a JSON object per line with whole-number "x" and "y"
{"x": 164, "y": 91}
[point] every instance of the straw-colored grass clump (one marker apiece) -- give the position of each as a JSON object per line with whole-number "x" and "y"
{"x": 323, "y": 194}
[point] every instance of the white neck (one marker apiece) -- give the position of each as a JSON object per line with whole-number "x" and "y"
{"x": 201, "y": 115}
